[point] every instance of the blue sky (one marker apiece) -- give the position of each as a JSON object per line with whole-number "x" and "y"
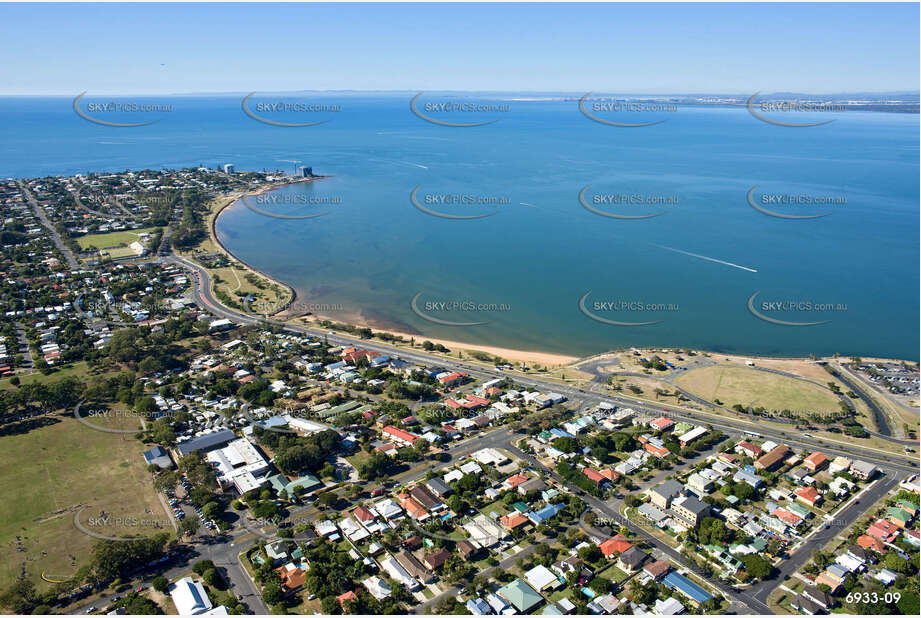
{"x": 651, "y": 48}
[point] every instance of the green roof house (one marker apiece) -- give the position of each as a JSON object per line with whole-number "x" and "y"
{"x": 520, "y": 595}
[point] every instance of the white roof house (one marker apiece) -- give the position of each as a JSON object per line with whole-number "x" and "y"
{"x": 190, "y": 597}
{"x": 398, "y": 573}
{"x": 540, "y": 577}
{"x": 668, "y": 607}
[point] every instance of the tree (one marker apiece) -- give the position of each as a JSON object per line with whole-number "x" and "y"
{"x": 329, "y": 605}
{"x": 820, "y": 559}
{"x": 756, "y": 566}
{"x": 600, "y": 585}
{"x": 201, "y": 566}
{"x": 211, "y": 577}
{"x": 160, "y": 583}
{"x": 211, "y": 510}
{"x": 189, "y": 525}
{"x": 893, "y": 562}
{"x": 328, "y": 499}
{"x": 272, "y": 593}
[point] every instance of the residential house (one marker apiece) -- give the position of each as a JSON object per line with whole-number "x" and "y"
{"x": 815, "y": 462}
{"x": 773, "y": 458}
{"x": 863, "y": 470}
{"x": 631, "y": 560}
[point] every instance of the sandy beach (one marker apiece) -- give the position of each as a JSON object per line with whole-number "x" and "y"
{"x": 526, "y": 356}
{"x": 513, "y": 355}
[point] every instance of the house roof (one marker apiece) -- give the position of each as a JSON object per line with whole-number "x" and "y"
{"x": 816, "y": 459}
{"x": 437, "y": 558}
{"x": 189, "y": 596}
{"x": 465, "y": 548}
{"x": 516, "y": 480}
{"x": 413, "y": 508}
{"x": 633, "y": 557}
{"x": 807, "y": 493}
{"x": 594, "y": 475}
{"x": 513, "y": 520}
{"x": 618, "y": 544}
{"x": 775, "y": 456}
{"x": 868, "y": 542}
{"x": 291, "y": 578}
{"x": 396, "y": 432}
{"x": 520, "y": 594}
{"x": 362, "y": 514}
{"x": 540, "y": 577}
{"x": 657, "y": 568}
{"x": 882, "y": 529}
{"x": 679, "y": 582}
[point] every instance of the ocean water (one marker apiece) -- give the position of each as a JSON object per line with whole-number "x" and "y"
{"x": 519, "y": 274}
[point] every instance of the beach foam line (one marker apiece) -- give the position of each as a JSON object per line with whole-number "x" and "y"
{"x": 710, "y": 259}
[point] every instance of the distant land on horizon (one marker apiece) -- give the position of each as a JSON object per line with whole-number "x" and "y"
{"x": 890, "y": 95}
{"x": 906, "y": 102}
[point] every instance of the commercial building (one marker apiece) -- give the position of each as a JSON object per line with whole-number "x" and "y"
{"x": 239, "y": 464}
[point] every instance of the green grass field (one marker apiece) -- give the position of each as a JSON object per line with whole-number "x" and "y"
{"x": 732, "y": 385}
{"x": 78, "y": 369}
{"x": 47, "y": 475}
{"x": 113, "y": 239}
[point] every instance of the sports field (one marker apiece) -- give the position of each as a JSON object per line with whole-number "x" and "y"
{"x": 49, "y": 474}
{"x": 112, "y": 239}
{"x": 732, "y": 385}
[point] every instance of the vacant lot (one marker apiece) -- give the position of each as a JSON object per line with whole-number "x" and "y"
{"x": 732, "y": 385}
{"x": 49, "y": 474}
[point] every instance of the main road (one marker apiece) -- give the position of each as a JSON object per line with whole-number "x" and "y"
{"x": 754, "y": 598}
{"x": 204, "y": 298}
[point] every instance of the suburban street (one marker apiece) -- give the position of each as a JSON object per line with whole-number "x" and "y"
{"x": 743, "y": 600}
{"x": 72, "y": 263}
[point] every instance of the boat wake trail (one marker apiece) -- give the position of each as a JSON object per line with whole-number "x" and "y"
{"x": 709, "y": 259}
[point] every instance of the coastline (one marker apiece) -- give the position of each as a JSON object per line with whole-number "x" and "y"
{"x": 526, "y": 356}
{"x": 529, "y": 356}
{"x": 233, "y": 198}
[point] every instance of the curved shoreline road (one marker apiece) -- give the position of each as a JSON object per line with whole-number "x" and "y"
{"x": 755, "y": 598}
{"x": 203, "y": 296}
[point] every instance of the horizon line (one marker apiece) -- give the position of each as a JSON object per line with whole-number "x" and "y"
{"x": 478, "y": 91}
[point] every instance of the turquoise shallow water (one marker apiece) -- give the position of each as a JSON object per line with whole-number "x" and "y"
{"x": 542, "y": 251}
